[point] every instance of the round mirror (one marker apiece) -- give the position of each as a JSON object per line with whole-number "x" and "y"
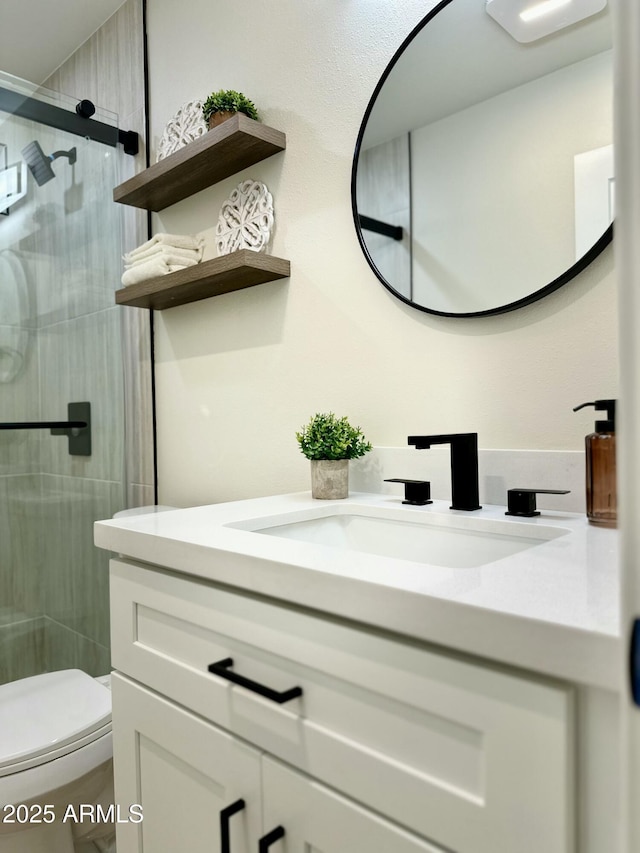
{"x": 483, "y": 173}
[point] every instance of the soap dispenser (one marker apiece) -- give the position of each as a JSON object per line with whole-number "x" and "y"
{"x": 600, "y": 447}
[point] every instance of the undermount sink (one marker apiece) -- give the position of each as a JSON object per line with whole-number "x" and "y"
{"x": 435, "y": 539}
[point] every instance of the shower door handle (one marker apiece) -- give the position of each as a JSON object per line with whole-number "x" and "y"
{"x": 77, "y": 428}
{"x": 60, "y": 427}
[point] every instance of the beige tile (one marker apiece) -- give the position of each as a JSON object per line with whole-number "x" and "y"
{"x": 76, "y": 582}
{"x": 21, "y": 650}
{"x": 138, "y": 402}
{"x": 19, "y": 401}
{"x": 140, "y": 495}
{"x": 5, "y": 551}
{"x": 108, "y": 69}
{"x": 81, "y": 360}
{"x": 49, "y": 566}
{"x": 27, "y": 524}
{"x": 70, "y": 236}
{"x": 120, "y": 58}
{"x": 20, "y": 549}
{"x": 60, "y": 646}
{"x": 66, "y": 649}
{"x": 92, "y": 658}
{"x": 76, "y": 240}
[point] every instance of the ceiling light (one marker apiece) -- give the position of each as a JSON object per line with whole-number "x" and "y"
{"x": 526, "y": 20}
{"x": 540, "y": 9}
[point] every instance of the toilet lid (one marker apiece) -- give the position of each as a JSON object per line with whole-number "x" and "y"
{"x": 45, "y": 712}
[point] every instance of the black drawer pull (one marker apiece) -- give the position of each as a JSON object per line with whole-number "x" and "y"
{"x": 222, "y": 668}
{"x": 270, "y": 838}
{"x": 225, "y": 815}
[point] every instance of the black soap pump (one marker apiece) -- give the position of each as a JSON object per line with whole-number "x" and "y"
{"x": 600, "y": 448}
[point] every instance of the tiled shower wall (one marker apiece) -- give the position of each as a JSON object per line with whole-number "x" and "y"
{"x": 21, "y": 624}
{"x": 53, "y": 581}
{"x": 62, "y": 243}
{"x": 109, "y": 70}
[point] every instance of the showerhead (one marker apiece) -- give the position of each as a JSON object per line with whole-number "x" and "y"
{"x": 39, "y": 163}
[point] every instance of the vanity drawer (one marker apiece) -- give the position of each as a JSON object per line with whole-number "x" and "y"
{"x": 472, "y": 758}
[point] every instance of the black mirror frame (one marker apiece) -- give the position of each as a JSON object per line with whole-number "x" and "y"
{"x": 554, "y": 285}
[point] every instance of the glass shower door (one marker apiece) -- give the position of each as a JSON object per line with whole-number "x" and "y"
{"x": 59, "y": 344}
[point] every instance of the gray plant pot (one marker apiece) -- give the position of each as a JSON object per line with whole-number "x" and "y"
{"x": 329, "y": 479}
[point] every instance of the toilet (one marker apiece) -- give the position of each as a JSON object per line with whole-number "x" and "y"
{"x": 56, "y": 751}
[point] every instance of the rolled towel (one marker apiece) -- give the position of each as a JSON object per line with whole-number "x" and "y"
{"x": 165, "y": 252}
{"x": 151, "y": 269}
{"x": 177, "y": 241}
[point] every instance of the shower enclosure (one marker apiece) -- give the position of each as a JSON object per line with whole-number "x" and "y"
{"x": 60, "y": 344}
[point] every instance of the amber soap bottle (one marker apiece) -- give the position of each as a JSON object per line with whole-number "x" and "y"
{"x": 600, "y": 449}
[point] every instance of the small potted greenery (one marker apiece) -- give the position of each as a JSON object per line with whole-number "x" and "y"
{"x": 329, "y": 443}
{"x": 221, "y": 105}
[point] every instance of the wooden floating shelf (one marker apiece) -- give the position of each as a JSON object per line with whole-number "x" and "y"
{"x": 209, "y": 278}
{"x": 233, "y": 145}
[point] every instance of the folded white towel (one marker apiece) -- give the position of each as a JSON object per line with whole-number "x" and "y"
{"x": 165, "y": 252}
{"x": 150, "y": 269}
{"x": 177, "y": 241}
{"x": 167, "y": 258}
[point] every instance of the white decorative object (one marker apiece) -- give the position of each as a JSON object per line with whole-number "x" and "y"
{"x": 186, "y": 125}
{"x": 246, "y": 219}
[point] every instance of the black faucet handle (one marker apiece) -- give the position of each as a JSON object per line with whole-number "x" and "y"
{"x": 522, "y": 502}
{"x": 416, "y": 492}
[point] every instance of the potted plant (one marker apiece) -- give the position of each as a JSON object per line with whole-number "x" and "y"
{"x": 329, "y": 443}
{"x": 220, "y": 106}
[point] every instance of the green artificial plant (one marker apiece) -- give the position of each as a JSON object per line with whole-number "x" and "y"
{"x": 329, "y": 437}
{"x": 226, "y": 100}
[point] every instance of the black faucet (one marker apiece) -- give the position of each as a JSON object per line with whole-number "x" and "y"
{"x": 464, "y": 465}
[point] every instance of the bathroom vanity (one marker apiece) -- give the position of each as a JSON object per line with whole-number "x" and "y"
{"x": 301, "y": 675}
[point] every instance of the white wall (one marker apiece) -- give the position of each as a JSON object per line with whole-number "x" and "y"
{"x": 238, "y": 374}
{"x": 493, "y": 188}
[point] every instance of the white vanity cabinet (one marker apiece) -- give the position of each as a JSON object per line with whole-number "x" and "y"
{"x": 193, "y": 777}
{"x": 391, "y": 746}
{"x": 184, "y": 772}
{"x": 317, "y": 818}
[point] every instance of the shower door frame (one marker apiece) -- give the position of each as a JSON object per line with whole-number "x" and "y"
{"x": 32, "y": 109}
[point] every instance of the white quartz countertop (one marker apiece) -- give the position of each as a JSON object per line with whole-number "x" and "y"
{"x": 553, "y": 608}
